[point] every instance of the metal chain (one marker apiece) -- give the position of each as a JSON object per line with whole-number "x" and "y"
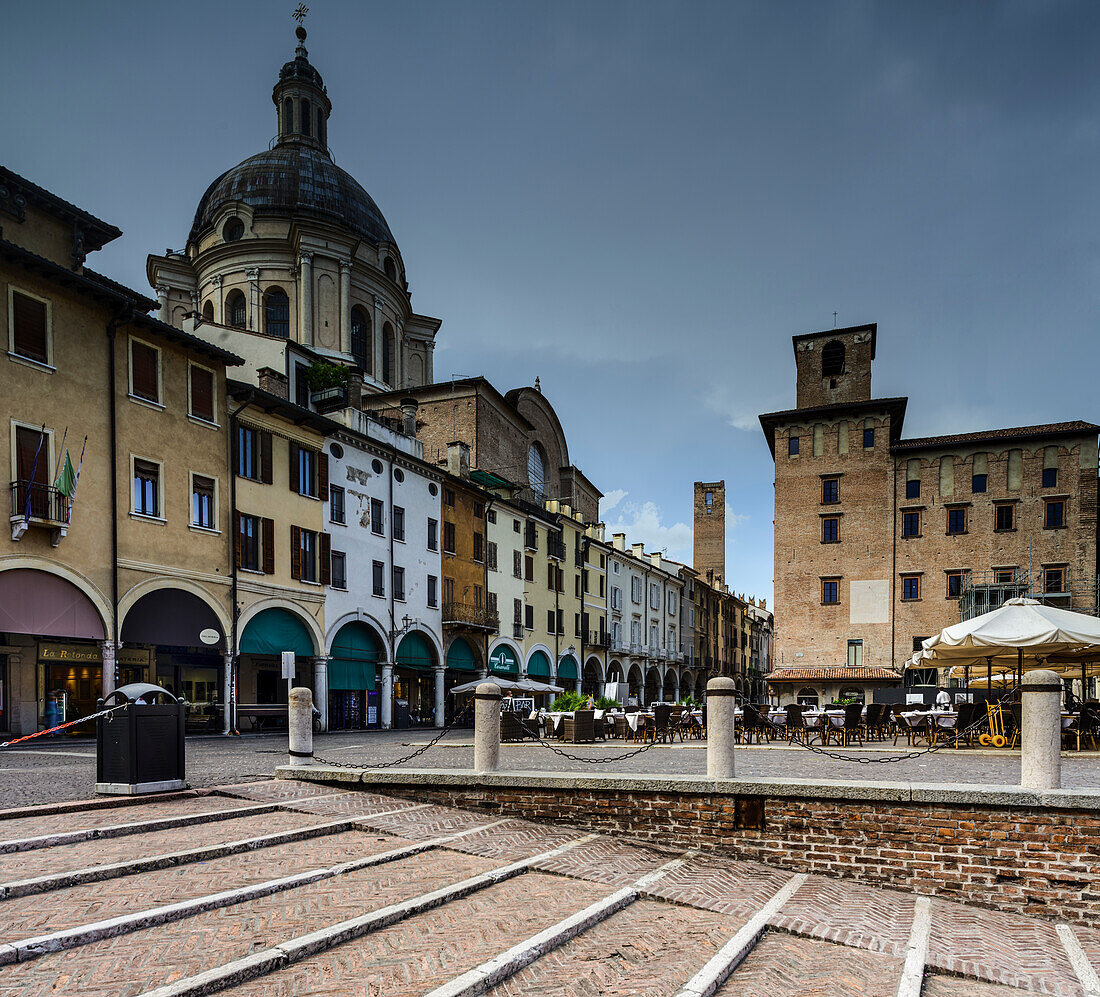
{"x": 577, "y": 758}
{"x": 886, "y": 759}
{"x": 397, "y": 761}
{"x": 71, "y": 723}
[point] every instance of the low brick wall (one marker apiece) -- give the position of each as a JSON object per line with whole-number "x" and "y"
{"x": 1010, "y": 850}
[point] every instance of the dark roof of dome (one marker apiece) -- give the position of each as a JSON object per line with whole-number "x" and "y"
{"x": 295, "y": 179}
{"x": 300, "y": 68}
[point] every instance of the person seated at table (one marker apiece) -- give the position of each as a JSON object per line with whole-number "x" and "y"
{"x": 943, "y": 699}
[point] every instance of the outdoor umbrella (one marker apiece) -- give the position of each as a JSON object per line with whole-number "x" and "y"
{"x": 504, "y": 684}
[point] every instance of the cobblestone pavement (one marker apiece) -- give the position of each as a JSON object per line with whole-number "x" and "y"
{"x": 66, "y": 770}
{"x": 830, "y": 936}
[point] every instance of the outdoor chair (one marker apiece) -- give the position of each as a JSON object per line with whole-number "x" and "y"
{"x": 852, "y": 727}
{"x": 753, "y": 724}
{"x": 690, "y": 726}
{"x": 796, "y": 723}
{"x": 1014, "y": 720}
{"x": 877, "y": 721}
{"x": 662, "y": 723}
{"x": 512, "y": 727}
{"x": 580, "y": 727}
{"x": 622, "y": 728}
{"x": 968, "y": 716}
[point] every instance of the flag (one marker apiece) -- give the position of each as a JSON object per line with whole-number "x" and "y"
{"x": 76, "y": 481}
{"x": 66, "y": 480}
{"x": 34, "y": 471}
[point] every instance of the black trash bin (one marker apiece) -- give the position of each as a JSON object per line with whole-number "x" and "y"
{"x": 400, "y": 714}
{"x": 139, "y": 749}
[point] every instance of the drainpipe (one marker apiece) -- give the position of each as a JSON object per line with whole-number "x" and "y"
{"x": 231, "y": 701}
{"x": 123, "y": 316}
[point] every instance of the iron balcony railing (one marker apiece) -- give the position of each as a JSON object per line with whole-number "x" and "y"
{"x": 517, "y": 631}
{"x": 46, "y": 503}
{"x": 597, "y": 638}
{"x": 556, "y": 548}
{"x": 471, "y": 616}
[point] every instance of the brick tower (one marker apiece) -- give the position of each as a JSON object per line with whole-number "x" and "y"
{"x": 710, "y": 529}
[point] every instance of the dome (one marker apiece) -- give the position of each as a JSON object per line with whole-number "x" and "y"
{"x": 295, "y": 179}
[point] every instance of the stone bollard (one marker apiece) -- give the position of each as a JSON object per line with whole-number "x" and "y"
{"x": 720, "y": 735}
{"x": 300, "y": 726}
{"x": 487, "y": 727}
{"x": 1041, "y": 733}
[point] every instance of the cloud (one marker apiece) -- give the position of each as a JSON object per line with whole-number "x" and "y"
{"x": 642, "y": 523}
{"x": 734, "y": 519}
{"x": 610, "y": 500}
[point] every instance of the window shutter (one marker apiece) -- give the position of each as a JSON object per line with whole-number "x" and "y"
{"x": 202, "y": 394}
{"x": 295, "y": 552}
{"x": 143, "y": 371}
{"x": 322, "y": 475}
{"x": 269, "y": 545}
{"x": 326, "y": 559}
{"x": 29, "y": 334}
{"x": 237, "y": 539}
{"x": 265, "y": 458}
{"x": 295, "y": 482}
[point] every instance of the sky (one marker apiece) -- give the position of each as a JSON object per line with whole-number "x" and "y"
{"x": 640, "y": 203}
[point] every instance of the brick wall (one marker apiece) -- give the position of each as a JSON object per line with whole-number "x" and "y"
{"x": 1036, "y": 861}
{"x": 710, "y": 529}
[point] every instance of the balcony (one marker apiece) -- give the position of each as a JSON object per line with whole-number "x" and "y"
{"x": 517, "y": 631}
{"x": 596, "y": 638}
{"x": 330, "y": 399}
{"x": 466, "y": 615}
{"x": 556, "y": 548}
{"x": 48, "y": 507}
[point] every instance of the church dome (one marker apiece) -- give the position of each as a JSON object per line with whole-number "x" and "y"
{"x": 295, "y": 179}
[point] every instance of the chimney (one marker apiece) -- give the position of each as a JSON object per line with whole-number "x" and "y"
{"x": 355, "y": 388}
{"x": 458, "y": 459}
{"x": 638, "y": 550}
{"x": 618, "y": 541}
{"x": 273, "y": 382}
{"x": 655, "y": 559}
{"x": 408, "y": 421}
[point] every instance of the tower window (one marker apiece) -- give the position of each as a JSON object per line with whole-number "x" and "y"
{"x": 306, "y": 117}
{"x": 288, "y": 116}
{"x": 832, "y": 359}
{"x": 277, "y": 313}
{"x": 235, "y": 309}
{"x": 536, "y": 471}
{"x": 361, "y": 339}
{"x": 390, "y": 268}
{"x": 387, "y": 353}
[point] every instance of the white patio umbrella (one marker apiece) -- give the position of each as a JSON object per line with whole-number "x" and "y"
{"x": 515, "y": 685}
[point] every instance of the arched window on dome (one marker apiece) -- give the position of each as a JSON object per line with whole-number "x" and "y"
{"x": 361, "y": 345}
{"x": 387, "y": 353}
{"x": 236, "y": 311}
{"x": 288, "y": 116}
{"x": 832, "y": 358}
{"x": 277, "y": 313}
{"x": 306, "y": 116}
{"x": 536, "y": 471}
{"x": 390, "y": 268}
{"x": 208, "y": 311}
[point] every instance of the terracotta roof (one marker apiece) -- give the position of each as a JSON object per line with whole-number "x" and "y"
{"x": 833, "y": 673}
{"x": 1019, "y": 433}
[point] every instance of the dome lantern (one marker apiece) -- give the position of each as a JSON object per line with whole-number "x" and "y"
{"x": 301, "y": 101}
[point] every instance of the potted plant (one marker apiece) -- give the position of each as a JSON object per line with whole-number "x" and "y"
{"x": 328, "y": 385}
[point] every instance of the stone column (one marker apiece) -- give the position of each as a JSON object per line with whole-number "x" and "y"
{"x": 486, "y": 727}
{"x": 305, "y": 298}
{"x": 1041, "y": 731}
{"x": 320, "y": 687}
{"x": 253, "y": 275}
{"x": 162, "y": 298}
{"x": 227, "y": 694}
{"x": 195, "y": 302}
{"x": 377, "y": 340}
{"x": 386, "y": 696}
{"x": 720, "y": 721}
{"x": 429, "y": 364}
{"x": 440, "y": 698}
{"x": 109, "y": 650}
{"x": 345, "y": 306}
{"x": 399, "y": 356}
{"x": 300, "y": 726}
{"x": 216, "y": 294}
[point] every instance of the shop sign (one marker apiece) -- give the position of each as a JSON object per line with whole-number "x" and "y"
{"x": 90, "y": 654}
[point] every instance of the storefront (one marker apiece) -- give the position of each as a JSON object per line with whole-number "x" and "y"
{"x": 538, "y": 669}
{"x": 414, "y": 682}
{"x": 503, "y": 662}
{"x": 567, "y": 673}
{"x": 185, "y": 637}
{"x": 461, "y": 667}
{"x": 353, "y": 678}
{"x": 263, "y": 640}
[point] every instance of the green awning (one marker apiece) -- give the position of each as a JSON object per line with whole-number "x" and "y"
{"x": 273, "y": 631}
{"x": 355, "y": 653}
{"x": 460, "y": 656}
{"x": 539, "y": 666}
{"x": 415, "y": 651}
{"x": 503, "y": 661}
{"x": 567, "y": 669}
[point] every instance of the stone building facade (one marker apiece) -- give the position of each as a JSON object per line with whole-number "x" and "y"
{"x": 709, "y": 536}
{"x": 878, "y": 538}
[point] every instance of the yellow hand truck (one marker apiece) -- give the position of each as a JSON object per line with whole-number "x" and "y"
{"x": 996, "y": 734}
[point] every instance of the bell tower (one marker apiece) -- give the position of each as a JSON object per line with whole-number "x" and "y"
{"x": 301, "y": 100}
{"x": 835, "y": 365}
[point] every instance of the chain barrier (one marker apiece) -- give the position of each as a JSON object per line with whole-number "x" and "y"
{"x": 950, "y": 739}
{"x": 604, "y": 760}
{"x": 70, "y": 723}
{"x": 405, "y": 758}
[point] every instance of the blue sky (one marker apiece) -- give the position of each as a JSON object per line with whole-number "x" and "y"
{"x": 641, "y": 203}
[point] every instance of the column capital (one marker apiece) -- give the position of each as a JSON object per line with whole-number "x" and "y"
{"x": 305, "y": 259}
{"x": 439, "y": 669}
{"x": 253, "y": 274}
{"x": 321, "y": 659}
{"x": 216, "y": 280}
{"x": 162, "y": 289}
{"x": 378, "y": 301}
{"x": 345, "y": 266}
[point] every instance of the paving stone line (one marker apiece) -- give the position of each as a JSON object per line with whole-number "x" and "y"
{"x": 268, "y": 960}
{"x": 136, "y": 827}
{"x": 501, "y": 967}
{"x": 916, "y": 952}
{"x": 729, "y": 956}
{"x": 111, "y": 803}
{"x": 115, "y": 870}
{"x": 31, "y": 948}
{"x": 1090, "y": 982}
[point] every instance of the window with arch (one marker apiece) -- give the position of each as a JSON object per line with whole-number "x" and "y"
{"x": 387, "y": 353}
{"x": 236, "y": 311}
{"x": 361, "y": 339}
{"x": 390, "y": 268}
{"x": 832, "y": 358}
{"x": 807, "y": 697}
{"x": 852, "y": 693}
{"x": 536, "y": 471}
{"x": 306, "y": 117}
{"x": 277, "y": 313}
{"x": 288, "y": 116}
{"x": 208, "y": 311}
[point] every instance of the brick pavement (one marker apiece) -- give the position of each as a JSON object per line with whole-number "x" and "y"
{"x": 650, "y": 948}
{"x": 416, "y": 955}
{"x": 954, "y": 986}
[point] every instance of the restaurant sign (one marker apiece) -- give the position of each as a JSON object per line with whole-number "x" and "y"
{"x": 76, "y": 654}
